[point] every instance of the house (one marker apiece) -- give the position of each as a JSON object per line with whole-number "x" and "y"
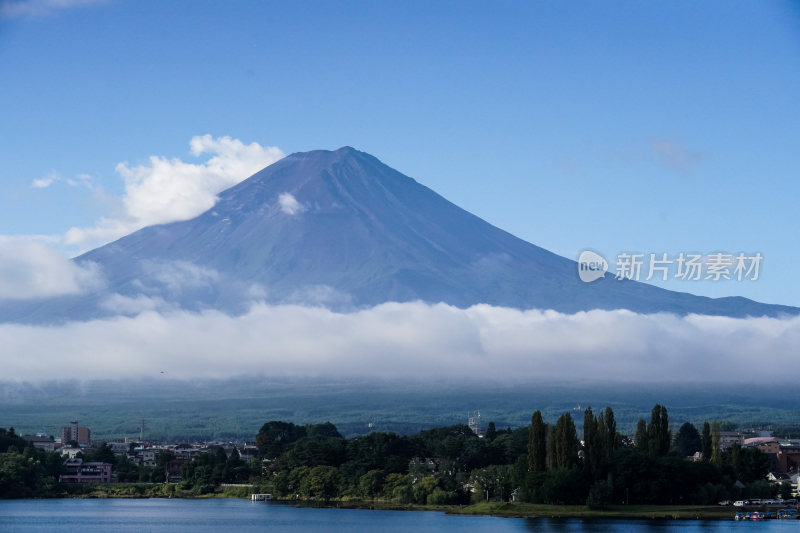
{"x": 41, "y": 442}
{"x": 187, "y": 451}
{"x": 70, "y": 452}
{"x": 119, "y": 447}
{"x": 729, "y": 438}
{"x": 173, "y": 470}
{"x": 143, "y": 456}
{"x": 788, "y": 457}
{"x": 248, "y": 452}
{"x": 76, "y": 471}
{"x": 784, "y": 455}
{"x": 765, "y": 444}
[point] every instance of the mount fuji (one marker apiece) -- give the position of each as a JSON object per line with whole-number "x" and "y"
{"x": 341, "y": 229}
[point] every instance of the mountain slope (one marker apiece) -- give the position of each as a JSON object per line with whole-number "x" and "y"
{"x": 340, "y": 228}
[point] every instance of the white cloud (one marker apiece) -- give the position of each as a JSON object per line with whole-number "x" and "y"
{"x": 127, "y": 305}
{"x": 407, "y": 340}
{"x": 45, "y": 182}
{"x": 37, "y": 8}
{"x": 54, "y": 177}
{"x": 166, "y": 190}
{"x": 675, "y": 155}
{"x": 289, "y": 204}
{"x": 321, "y": 295}
{"x": 31, "y": 269}
{"x": 177, "y": 275}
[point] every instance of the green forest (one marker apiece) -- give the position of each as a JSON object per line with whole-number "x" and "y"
{"x": 186, "y": 411}
{"x": 540, "y": 463}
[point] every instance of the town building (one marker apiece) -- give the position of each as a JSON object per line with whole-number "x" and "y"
{"x": 41, "y": 442}
{"x": 119, "y": 447}
{"x": 76, "y": 471}
{"x": 80, "y": 434}
{"x": 784, "y": 454}
{"x": 729, "y": 438}
{"x": 69, "y": 452}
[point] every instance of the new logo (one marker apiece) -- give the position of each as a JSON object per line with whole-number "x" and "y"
{"x": 591, "y": 266}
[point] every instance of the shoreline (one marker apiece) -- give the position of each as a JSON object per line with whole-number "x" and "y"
{"x": 531, "y": 510}
{"x": 499, "y": 509}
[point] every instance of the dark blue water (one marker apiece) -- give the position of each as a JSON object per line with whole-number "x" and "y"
{"x": 242, "y": 516}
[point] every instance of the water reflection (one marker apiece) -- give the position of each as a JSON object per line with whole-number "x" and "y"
{"x": 558, "y": 525}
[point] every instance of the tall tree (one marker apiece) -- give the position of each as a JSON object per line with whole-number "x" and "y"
{"x": 707, "y": 442}
{"x": 658, "y": 434}
{"x": 716, "y": 444}
{"x": 550, "y": 431}
{"x": 735, "y": 458}
{"x": 103, "y": 454}
{"x": 754, "y": 465}
{"x": 491, "y": 432}
{"x": 641, "y": 436}
{"x": 537, "y": 444}
{"x": 609, "y": 432}
{"x": 566, "y": 442}
{"x": 592, "y": 442}
{"x": 688, "y": 440}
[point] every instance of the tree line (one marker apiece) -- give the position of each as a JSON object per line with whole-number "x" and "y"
{"x": 541, "y": 463}
{"x": 651, "y": 468}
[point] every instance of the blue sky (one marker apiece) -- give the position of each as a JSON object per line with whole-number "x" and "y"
{"x": 617, "y": 126}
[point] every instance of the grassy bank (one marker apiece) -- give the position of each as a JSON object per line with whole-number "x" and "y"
{"x": 531, "y": 510}
{"x": 510, "y": 510}
{"x": 644, "y": 512}
{"x": 145, "y": 490}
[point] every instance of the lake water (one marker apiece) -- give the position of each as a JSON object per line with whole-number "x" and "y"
{"x": 242, "y": 516}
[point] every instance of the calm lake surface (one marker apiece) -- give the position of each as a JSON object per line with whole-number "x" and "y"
{"x": 241, "y": 516}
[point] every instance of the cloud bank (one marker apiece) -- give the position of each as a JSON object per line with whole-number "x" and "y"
{"x": 165, "y": 190}
{"x": 406, "y": 340}
{"x": 38, "y": 8}
{"x": 31, "y": 269}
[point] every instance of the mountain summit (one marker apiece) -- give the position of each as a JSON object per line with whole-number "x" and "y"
{"x": 340, "y": 228}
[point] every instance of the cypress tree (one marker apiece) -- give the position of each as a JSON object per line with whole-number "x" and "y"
{"x": 641, "y": 436}
{"x": 716, "y": 446}
{"x": 665, "y": 436}
{"x": 735, "y": 459}
{"x": 537, "y": 444}
{"x": 551, "y": 446}
{"x": 707, "y": 442}
{"x": 566, "y": 442}
{"x": 602, "y": 436}
{"x": 611, "y": 442}
{"x": 592, "y": 443}
{"x": 491, "y": 432}
{"x": 658, "y": 434}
